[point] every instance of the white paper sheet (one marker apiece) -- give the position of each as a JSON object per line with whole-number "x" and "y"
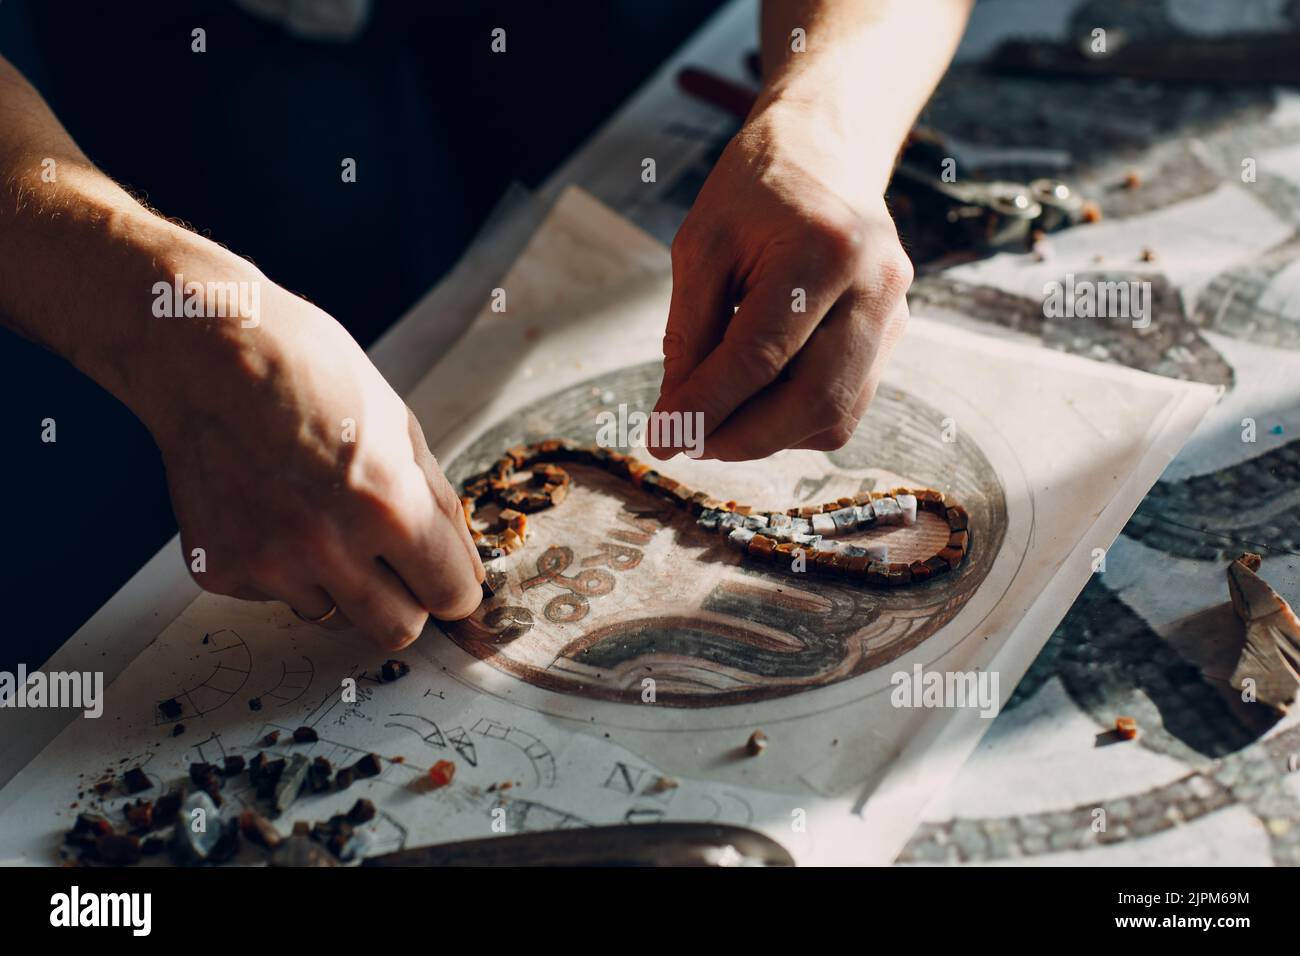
{"x": 1057, "y": 452}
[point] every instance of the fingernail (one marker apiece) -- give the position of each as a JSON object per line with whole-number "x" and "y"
{"x": 403, "y": 643}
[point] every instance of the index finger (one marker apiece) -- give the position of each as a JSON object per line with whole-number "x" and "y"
{"x": 767, "y": 331}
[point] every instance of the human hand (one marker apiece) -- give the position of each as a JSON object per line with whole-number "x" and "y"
{"x": 796, "y": 234}
{"x": 303, "y": 477}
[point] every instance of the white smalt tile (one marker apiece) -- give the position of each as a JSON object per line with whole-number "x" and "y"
{"x": 908, "y": 505}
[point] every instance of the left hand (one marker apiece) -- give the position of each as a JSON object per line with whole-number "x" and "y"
{"x": 787, "y": 218}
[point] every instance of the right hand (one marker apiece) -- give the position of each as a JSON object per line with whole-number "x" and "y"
{"x": 303, "y": 476}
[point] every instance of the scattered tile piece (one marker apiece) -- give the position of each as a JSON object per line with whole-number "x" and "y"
{"x": 291, "y": 782}
{"x": 167, "y": 807}
{"x": 319, "y": 775}
{"x": 91, "y": 824}
{"x": 269, "y": 777}
{"x": 198, "y": 829}
{"x": 368, "y": 766}
{"x": 136, "y": 780}
{"x": 258, "y": 829}
{"x": 363, "y": 811}
{"x": 662, "y": 785}
{"x": 441, "y": 773}
{"x": 139, "y": 815}
{"x": 208, "y": 779}
{"x": 227, "y": 845}
{"x": 394, "y": 670}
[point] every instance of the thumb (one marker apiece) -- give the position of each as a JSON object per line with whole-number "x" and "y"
{"x": 442, "y": 491}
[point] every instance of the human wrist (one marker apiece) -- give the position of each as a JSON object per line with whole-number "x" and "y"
{"x": 150, "y": 330}
{"x": 856, "y": 146}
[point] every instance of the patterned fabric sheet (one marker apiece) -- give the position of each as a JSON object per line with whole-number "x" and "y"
{"x": 1209, "y": 779}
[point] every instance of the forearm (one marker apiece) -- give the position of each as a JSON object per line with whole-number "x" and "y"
{"x": 79, "y": 256}
{"x": 290, "y": 462}
{"x": 866, "y": 69}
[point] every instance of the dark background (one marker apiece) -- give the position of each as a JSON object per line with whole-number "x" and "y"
{"x": 244, "y": 143}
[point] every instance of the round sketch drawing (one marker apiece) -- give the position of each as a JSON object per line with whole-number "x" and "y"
{"x": 620, "y": 597}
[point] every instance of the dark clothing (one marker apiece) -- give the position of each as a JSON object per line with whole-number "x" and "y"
{"x": 245, "y": 142}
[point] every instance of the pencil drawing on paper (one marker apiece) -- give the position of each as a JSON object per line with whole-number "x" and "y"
{"x": 295, "y": 678}
{"x": 679, "y": 617}
{"x": 224, "y": 665}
